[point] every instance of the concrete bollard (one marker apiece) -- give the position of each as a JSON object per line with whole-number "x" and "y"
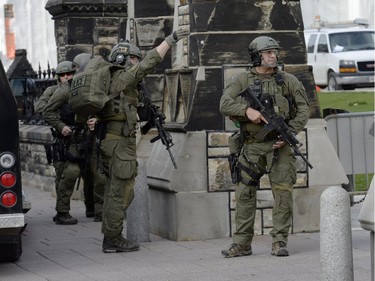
{"x": 138, "y": 217}
{"x": 336, "y": 255}
{"x": 367, "y": 221}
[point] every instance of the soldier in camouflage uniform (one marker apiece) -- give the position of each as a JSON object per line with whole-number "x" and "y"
{"x": 58, "y": 114}
{"x": 270, "y": 155}
{"x": 64, "y": 72}
{"x": 93, "y": 179}
{"x": 118, "y": 147}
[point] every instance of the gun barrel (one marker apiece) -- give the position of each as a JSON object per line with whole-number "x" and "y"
{"x": 172, "y": 158}
{"x": 296, "y": 151}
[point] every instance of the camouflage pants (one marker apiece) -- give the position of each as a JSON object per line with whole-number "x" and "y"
{"x": 120, "y": 166}
{"x": 66, "y": 186}
{"x": 258, "y": 157}
{"x": 59, "y": 169}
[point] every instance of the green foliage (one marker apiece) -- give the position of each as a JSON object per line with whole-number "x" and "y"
{"x": 362, "y": 181}
{"x": 350, "y": 101}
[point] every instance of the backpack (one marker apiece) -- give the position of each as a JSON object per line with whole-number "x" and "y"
{"x": 89, "y": 90}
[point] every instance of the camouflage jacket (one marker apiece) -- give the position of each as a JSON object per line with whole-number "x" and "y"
{"x": 288, "y": 95}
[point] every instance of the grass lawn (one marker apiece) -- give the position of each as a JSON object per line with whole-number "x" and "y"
{"x": 352, "y": 102}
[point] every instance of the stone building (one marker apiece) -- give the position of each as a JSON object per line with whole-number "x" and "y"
{"x": 196, "y": 200}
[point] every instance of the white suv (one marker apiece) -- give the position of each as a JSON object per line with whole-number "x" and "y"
{"x": 342, "y": 56}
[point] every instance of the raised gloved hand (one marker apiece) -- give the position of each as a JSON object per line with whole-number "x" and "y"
{"x": 176, "y": 36}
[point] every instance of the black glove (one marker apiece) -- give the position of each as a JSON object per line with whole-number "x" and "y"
{"x": 176, "y": 36}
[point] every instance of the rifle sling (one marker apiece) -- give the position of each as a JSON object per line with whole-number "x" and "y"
{"x": 250, "y": 172}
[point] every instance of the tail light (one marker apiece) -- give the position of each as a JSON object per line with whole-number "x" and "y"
{"x": 7, "y": 179}
{"x": 8, "y": 199}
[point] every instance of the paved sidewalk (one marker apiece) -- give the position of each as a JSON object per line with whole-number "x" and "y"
{"x": 73, "y": 253}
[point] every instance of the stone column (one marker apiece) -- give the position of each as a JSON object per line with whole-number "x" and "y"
{"x": 91, "y": 27}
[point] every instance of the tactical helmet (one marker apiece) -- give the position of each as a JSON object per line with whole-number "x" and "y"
{"x": 81, "y": 60}
{"x": 135, "y": 51}
{"x": 64, "y": 67}
{"x": 122, "y": 50}
{"x": 259, "y": 44}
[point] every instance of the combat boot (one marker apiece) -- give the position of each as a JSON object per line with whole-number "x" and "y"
{"x": 89, "y": 214}
{"x": 64, "y": 218}
{"x": 118, "y": 244}
{"x": 237, "y": 250}
{"x": 279, "y": 249}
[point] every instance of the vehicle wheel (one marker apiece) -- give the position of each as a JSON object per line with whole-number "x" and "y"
{"x": 332, "y": 84}
{"x": 11, "y": 252}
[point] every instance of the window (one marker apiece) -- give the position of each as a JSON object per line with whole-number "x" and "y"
{"x": 351, "y": 41}
{"x": 322, "y": 44}
{"x": 311, "y": 43}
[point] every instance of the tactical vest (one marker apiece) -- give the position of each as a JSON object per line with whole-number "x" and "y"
{"x": 123, "y": 111}
{"x": 275, "y": 88}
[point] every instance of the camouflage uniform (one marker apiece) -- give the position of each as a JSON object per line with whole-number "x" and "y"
{"x": 44, "y": 98}
{"x": 118, "y": 144}
{"x": 93, "y": 179}
{"x": 290, "y": 100}
{"x": 72, "y": 170}
{"x": 39, "y": 107}
{"x": 118, "y": 149}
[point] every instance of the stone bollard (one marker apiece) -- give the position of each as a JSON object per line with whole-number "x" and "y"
{"x": 137, "y": 216}
{"x": 336, "y": 255}
{"x": 367, "y": 221}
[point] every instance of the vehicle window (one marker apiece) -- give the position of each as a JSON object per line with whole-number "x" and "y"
{"x": 351, "y": 41}
{"x": 322, "y": 44}
{"x": 311, "y": 43}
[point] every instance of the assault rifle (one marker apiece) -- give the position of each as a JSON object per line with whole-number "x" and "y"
{"x": 155, "y": 120}
{"x": 274, "y": 122}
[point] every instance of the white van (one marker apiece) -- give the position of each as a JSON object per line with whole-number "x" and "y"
{"x": 342, "y": 56}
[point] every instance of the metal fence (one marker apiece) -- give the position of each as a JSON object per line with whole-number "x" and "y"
{"x": 352, "y": 135}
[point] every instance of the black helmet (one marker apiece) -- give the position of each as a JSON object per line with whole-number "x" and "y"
{"x": 120, "y": 52}
{"x": 259, "y": 44}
